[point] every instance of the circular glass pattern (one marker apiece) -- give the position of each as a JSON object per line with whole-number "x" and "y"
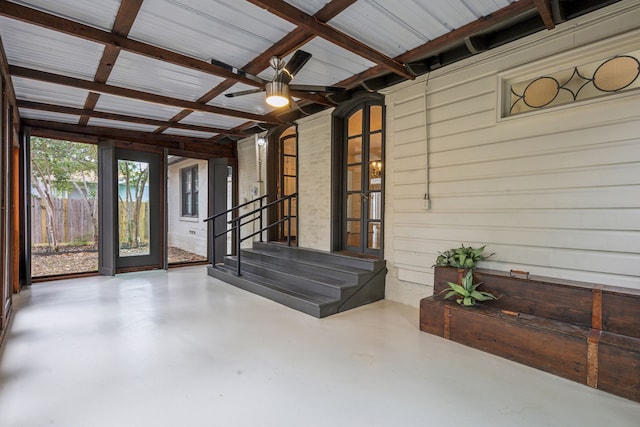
{"x": 540, "y": 92}
{"x": 616, "y": 73}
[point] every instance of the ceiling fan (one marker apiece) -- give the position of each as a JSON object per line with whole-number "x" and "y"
{"x": 278, "y": 89}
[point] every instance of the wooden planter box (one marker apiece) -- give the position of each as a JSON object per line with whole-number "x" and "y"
{"x": 584, "y": 332}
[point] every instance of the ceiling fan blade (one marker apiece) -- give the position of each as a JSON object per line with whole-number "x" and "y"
{"x": 295, "y": 64}
{"x": 237, "y": 71}
{"x": 243, "y": 92}
{"x": 319, "y": 89}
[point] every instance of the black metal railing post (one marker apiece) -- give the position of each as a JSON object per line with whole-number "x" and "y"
{"x": 289, "y": 222}
{"x": 238, "y": 244}
{"x": 260, "y": 220}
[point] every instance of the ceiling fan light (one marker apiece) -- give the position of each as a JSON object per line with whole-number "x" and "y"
{"x": 277, "y": 94}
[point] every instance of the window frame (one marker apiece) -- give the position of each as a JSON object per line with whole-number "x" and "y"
{"x": 194, "y": 192}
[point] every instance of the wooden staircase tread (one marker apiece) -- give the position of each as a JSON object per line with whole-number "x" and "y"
{"x": 326, "y": 265}
{"x": 315, "y": 277}
{"x": 333, "y": 258}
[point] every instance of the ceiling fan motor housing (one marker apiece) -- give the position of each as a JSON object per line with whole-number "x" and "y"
{"x": 277, "y": 93}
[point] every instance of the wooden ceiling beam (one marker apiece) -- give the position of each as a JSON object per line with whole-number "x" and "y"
{"x": 125, "y": 18}
{"x": 56, "y": 23}
{"x": 44, "y": 127}
{"x": 287, "y": 44}
{"x": 8, "y": 88}
{"x": 309, "y": 23}
{"x": 449, "y": 39}
{"x": 544, "y": 9}
{"x": 132, "y": 93}
{"x": 123, "y": 118}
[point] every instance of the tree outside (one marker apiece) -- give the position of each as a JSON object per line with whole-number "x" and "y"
{"x": 64, "y": 205}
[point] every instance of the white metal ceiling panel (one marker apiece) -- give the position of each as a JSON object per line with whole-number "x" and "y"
{"x": 100, "y": 14}
{"x": 35, "y": 47}
{"x": 328, "y": 65}
{"x": 228, "y": 30}
{"x": 191, "y": 133}
{"x": 150, "y": 75}
{"x": 33, "y": 90}
{"x": 48, "y": 115}
{"x": 133, "y": 107}
{"x": 121, "y": 125}
{"x": 214, "y": 120}
{"x": 393, "y": 27}
{"x": 310, "y": 7}
{"x": 485, "y": 7}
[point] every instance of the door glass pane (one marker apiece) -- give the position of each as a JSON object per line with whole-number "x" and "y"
{"x": 289, "y": 165}
{"x": 353, "y": 206}
{"x": 375, "y": 175}
{"x": 375, "y": 118}
{"x": 133, "y": 208}
{"x": 289, "y": 146}
{"x": 354, "y": 178}
{"x": 375, "y": 146}
{"x": 374, "y": 236}
{"x": 355, "y": 124}
{"x": 353, "y": 233}
{"x": 289, "y": 185}
{"x": 375, "y": 205}
{"x": 354, "y": 153}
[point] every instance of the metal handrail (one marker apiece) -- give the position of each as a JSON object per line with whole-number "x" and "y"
{"x": 234, "y": 208}
{"x": 238, "y": 224}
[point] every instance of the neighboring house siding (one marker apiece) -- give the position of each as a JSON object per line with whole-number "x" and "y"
{"x": 188, "y": 233}
{"x": 555, "y": 193}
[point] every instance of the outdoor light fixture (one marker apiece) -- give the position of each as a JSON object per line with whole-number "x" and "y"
{"x": 277, "y": 94}
{"x": 261, "y": 141}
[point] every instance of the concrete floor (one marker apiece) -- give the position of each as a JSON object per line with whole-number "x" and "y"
{"x": 179, "y": 348}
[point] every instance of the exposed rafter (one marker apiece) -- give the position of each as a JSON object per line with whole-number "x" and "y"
{"x": 123, "y": 118}
{"x": 294, "y": 15}
{"x": 52, "y": 22}
{"x": 8, "y": 85}
{"x": 544, "y": 9}
{"x": 168, "y": 141}
{"x": 132, "y": 93}
{"x": 122, "y": 25}
{"x": 449, "y": 39}
{"x": 519, "y": 18}
{"x": 292, "y": 41}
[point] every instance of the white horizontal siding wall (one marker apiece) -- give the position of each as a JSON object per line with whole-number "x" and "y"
{"x": 555, "y": 193}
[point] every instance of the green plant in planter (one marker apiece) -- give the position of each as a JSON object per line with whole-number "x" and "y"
{"x": 467, "y": 293}
{"x": 462, "y": 257}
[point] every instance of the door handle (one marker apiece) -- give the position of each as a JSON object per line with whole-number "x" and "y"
{"x": 364, "y": 195}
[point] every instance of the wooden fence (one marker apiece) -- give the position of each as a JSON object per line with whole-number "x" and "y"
{"x": 73, "y": 220}
{"x": 72, "y": 217}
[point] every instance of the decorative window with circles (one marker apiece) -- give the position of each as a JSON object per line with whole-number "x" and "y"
{"x": 599, "y": 78}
